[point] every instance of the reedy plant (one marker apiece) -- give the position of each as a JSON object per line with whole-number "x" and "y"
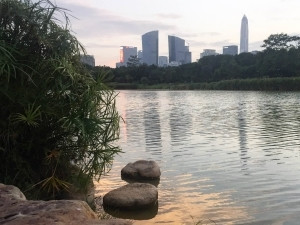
{"x": 58, "y": 124}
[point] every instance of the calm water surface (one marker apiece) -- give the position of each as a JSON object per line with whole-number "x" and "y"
{"x": 229, "y": 157}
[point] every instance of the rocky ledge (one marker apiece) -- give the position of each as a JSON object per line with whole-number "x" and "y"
{"x": 16, "y": 210}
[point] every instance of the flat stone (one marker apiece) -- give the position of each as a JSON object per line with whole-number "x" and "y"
{"x": 141, "y": 170}
{"x": 132, "y": 197}
{"x": 16, "y": 210}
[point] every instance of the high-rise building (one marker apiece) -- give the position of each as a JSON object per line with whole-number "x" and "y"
{"x": 178, "y": 51}
{"x": 244, "y": 35}
{"x": 230, "y": 50}
{"x": 208, "y": 52}
{"x": 150, "y": 47}
{"x": 87, "y": 59}
{"x": 126, "y": 52}
{"x": 162, "y": 61}
{"x": 140, "y": 56}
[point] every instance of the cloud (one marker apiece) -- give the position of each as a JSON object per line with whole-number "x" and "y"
{"x": 255, "y": 45}
{"x": 184, "y": 35}
{"x": 96, "y": 45}
{"x": 93, "y": 22}
{"x": 212, "y": 33}
{"x": 217, "y": 44}
{"x": 168, "y": 16}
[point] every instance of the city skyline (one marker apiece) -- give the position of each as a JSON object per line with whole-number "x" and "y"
{"x": 103, "y": 26}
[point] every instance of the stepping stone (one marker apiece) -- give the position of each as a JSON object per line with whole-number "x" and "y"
{"x": 141, "y": 170}
{"x": 132, "y": 197}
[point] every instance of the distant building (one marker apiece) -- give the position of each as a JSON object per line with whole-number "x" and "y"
{"x": 140, "y": 56}
{"x": 119, "y": 64}
{"x": 254, "y": 52}
{"x": 162, "y": 61}
{"x": 125, "y": 53}
{"x": 88, "y": 59}
{"x": 178, "y": 51}
{"x": 230, "y": 50}
{"x": 174, "y": 63}
{"x": 150, "y": 47}
{"x": 244, "y": 35}
{"x": 208, "y": 52}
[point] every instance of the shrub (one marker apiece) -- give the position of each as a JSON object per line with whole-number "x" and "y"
{"x": 57, "y": 122}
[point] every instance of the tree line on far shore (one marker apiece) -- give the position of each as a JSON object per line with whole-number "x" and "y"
{"x": 279, "y": 59}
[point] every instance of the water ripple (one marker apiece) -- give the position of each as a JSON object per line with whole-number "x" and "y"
{"x": 232, "y": 157}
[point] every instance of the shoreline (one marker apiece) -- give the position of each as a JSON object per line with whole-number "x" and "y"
{"x": 255, "y": 84}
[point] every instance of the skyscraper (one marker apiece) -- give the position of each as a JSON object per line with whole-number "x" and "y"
{"x": 208, "y": 52}
{"x": 140, "y": 55}
{"x": 178, "y": 51}
{"x": 162, "y": 61}
{"x": 125, "y": 53}
{"x": 88, "y": 59}
{"x": 230, "y": 50}
{"x": 150, "y": 47}
{"x": 244, "y": 35}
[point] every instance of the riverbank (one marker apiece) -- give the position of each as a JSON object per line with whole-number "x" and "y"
{"x": 257, "y": 84}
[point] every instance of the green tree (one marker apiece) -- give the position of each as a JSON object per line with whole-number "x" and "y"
{"x": 281, "y": 41}
{"x": 133, "y": 61}
{"x": 58, "y": 124}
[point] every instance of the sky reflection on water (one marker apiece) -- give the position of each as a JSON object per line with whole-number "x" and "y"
{"x": 232, "y": 157}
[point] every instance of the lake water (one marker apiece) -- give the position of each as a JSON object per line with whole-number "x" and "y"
{"x": 227, "y": 157}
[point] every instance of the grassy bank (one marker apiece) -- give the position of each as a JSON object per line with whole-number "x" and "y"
{"x": 257, "y": 84}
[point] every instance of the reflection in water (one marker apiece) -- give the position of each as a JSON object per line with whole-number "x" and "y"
{"x": 201, "y": 140}
{"x": 142, "y": 214}
{"x": 182, "y": 205}
{"x": 280, "y": 126}
{"x": 180, "y": 118}
{"x": 152, "y": 123}
{"x": 242, "y": 126}
{"x": 154, "y": 182}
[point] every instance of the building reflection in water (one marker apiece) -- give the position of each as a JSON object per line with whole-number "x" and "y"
{"x": 180, "y": 119}
{"x": 122, "y": 102}
{"x": 242, "y": 127}
{"x": 151, "y": 120}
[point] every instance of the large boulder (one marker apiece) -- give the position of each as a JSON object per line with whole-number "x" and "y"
{"x": 16, "y": 210}
{"x": 141, "y": 170}
{"x": 132, "y": 197}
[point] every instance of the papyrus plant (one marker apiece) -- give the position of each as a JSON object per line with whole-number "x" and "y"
{"x": 58, "y": 124}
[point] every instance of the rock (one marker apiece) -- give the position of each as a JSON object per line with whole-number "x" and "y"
{"x": 132, "y": 197}
{"x": 141, "y": 214}
{"x": 141, "y": 170}
{"x": 113, "y": 222}
{"x": 87, "y": 195}
{"x": 16, "y": 210}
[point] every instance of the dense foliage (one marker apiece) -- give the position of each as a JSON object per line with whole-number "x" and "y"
{"x": 58, "y": 123}
{"x": 281, "y": 58}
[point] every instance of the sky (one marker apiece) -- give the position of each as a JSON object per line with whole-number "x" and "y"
{"x": 102, "y": 26}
